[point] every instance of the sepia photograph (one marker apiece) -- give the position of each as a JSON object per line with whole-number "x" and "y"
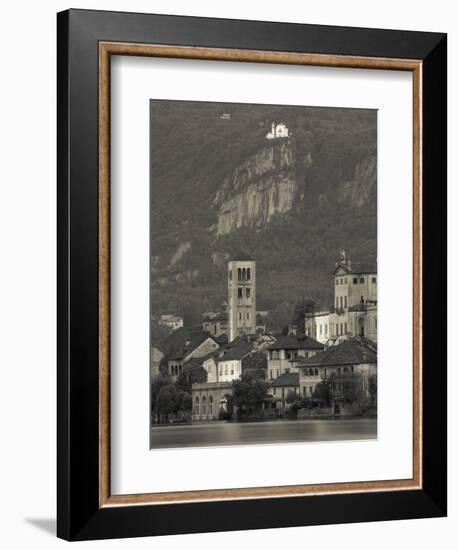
{"x": 263, "y": 274}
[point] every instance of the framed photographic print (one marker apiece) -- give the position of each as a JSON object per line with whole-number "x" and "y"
{"x": 252, "y": 274}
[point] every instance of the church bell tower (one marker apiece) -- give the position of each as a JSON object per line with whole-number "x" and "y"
{"x": 241, "y": 296}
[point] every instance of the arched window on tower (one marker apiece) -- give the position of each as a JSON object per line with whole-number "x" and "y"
{"x": 248, "y": 274}
{"x": 239, "y": 274}
{"x": 243, "y": 274}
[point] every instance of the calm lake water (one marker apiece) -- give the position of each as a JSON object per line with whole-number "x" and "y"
{"x": 293, "y": 431}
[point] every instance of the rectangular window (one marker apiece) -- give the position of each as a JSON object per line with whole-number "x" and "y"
{"x": 305, "y": 391}
{"x": 337, "y": 282}
{"x": 326, "y": 329}
{"x": 248, "y": 292}
{"x": 355, "y": 281}
{"x": 361, "y": 280}
{"x": 240, "y": 316}
{"x": 345, "y": 301}
{"x": 248, "y": 316}
{"x": 311, "y": 390}
{"x": 240, "y": 292}
{"x": 346, "y": 328}
{"x": 374, "y": 280}
{"x": 230, "y": 275}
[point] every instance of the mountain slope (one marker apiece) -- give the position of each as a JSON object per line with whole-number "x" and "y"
{"x": 219, "y": 186}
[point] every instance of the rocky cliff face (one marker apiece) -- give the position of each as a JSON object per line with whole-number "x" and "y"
{"x": 359, "y": 190}
{"x": 264, "y": 185}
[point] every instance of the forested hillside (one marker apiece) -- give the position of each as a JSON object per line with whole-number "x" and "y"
{"x": 218, "y": 186}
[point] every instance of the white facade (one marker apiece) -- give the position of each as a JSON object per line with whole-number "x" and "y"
{"x": 278, "y": 130}
{"x": 173, "y": 322}
{"x": 229, "y": 370}
{"x": 355, "y": 308}
{"x": 354, "y": 289}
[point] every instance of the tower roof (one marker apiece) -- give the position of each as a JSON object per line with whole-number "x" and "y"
{"x": 242, "y": 257}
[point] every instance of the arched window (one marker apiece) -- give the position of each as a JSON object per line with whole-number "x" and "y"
{"x": 243, "y": 274}
{"x": 239, "y": 274}
{"x": 210, "y": 405}
{"x": 196, "y": 405}
{"x": 316, "y": 372}
{"x": 248, "y": 274}
{"x": 204, "y": 405}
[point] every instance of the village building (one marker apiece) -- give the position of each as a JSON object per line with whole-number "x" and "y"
{"x": 230, "y": 363}
{"x": 263, "y": 341}
{"x": 241, "y": 291}
{"x": 354, "y": 312}
{"x": 223, "y": 367}
{"x": 282, "y": 386}
{"x": 210, "y": 400}
{"x": 255, "y": 364}
{"x": 283, "y": 355}
{"x": 216, "y": 325}
{"x": 335, "y": 365}
{"x": 172, "y": 322}
{"x": 182, "y": 345}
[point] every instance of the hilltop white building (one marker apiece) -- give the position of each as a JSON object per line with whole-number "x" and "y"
{"x": 278, "y": 130}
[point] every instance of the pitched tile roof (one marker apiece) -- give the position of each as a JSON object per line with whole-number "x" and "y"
{"x": 221, "y": 316}
{"x": 254, "y": 361}
{"x": 287, "y": 379}
{"x": 296, "y": 342}
{"x": 182, "y": 342}
{"x": 236, "y": 353}
{"x": 350, "y": 352}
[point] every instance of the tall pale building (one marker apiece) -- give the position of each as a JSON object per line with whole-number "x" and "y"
{"x": 241, "y": 296}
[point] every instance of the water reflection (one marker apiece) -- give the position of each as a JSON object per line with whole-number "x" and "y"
{"x": 221, "y": 433}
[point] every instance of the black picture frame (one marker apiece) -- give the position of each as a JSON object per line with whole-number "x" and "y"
{"x": 79, "y": 515}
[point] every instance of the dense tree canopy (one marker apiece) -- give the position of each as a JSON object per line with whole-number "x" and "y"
{"x": 249, "y": 393}
{"x": 193, "y": 150}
